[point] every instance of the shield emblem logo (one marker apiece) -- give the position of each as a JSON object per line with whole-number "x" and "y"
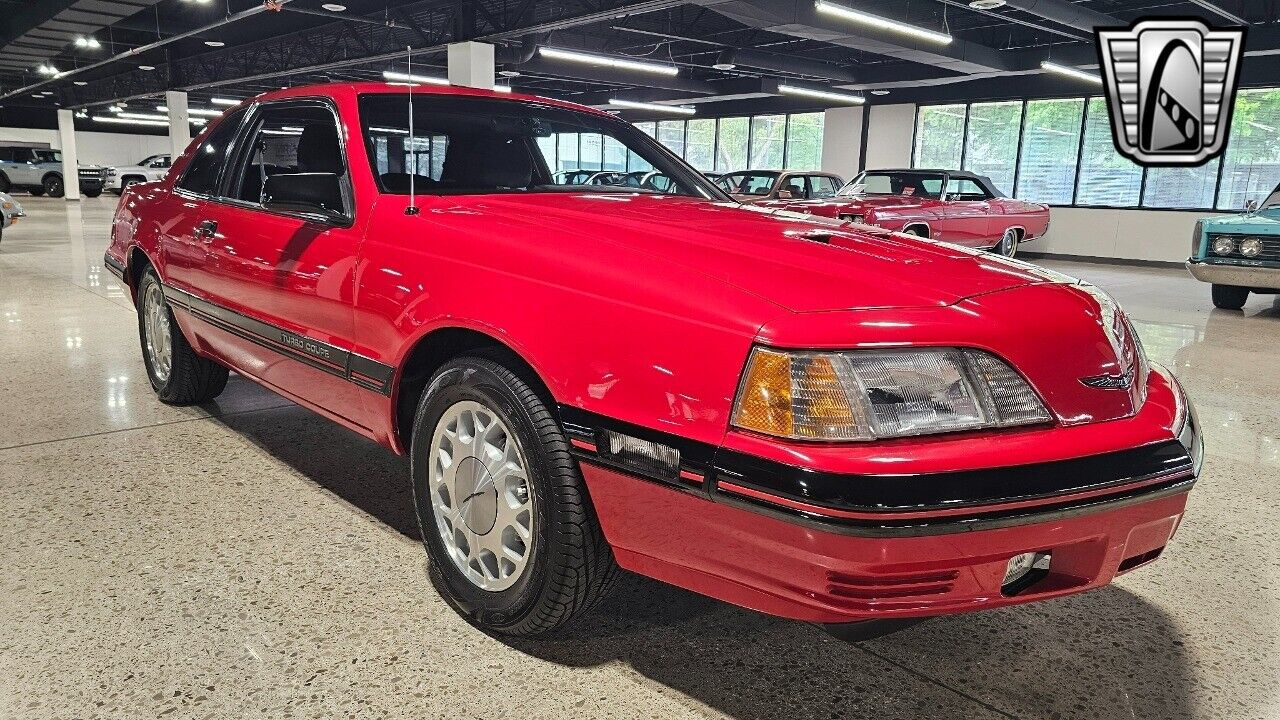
{"x": 1171, "y": 86}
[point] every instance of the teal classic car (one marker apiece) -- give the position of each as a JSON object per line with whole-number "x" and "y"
{"x": 1239, "y": 254}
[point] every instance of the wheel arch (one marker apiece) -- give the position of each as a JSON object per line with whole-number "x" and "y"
{"x": 928, "y": 231}
{"x": 136, "y": 261}
{"x": 431, "y": 351}
{"x": 51, "y": 173}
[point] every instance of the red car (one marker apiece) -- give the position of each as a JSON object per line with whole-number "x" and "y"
{"x": 793, "y": 416}
{"x": 958, "y": 207}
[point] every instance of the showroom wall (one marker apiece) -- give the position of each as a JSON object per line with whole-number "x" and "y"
{"x": 95, "y": 148}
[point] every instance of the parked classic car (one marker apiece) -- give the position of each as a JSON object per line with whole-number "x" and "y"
{"x": 790, "y": 415}
{"x": 1239, "y": 254}
{"x": 10, "y": 211}
{"x": 38, "y": 170}
{"x": 149, "y": 168}
{"x": 762, "y": 186}
{"x": 950, "y": 205}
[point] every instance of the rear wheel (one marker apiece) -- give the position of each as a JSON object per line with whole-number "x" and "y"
{"x": 917, "y": 230}
{"x": 92, "y": 193}
{"x": 53, "y": 186}
{"x": 37, "y": 191}
{"x": 1229, "y": 297}
{"x": 178, "y": 375}
{"x": 513, "y": 541}
{"x": 1008, "y": 245}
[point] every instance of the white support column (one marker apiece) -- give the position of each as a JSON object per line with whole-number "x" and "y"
{"x": 471, "y": 65}
{"x": 179, "y": 122}
{"x": 70, "y": 163}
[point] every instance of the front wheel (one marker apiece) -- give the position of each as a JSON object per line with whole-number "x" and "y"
{"x": 1008, "y": 245}
{"x": 37, "y": 191}
{"x": 513, "y": 541}
{"x": 53, "y": 186}
{"x": 178, "y": 375}
{"x": 1229, "y": 297}
{"x": 91, "y": 193}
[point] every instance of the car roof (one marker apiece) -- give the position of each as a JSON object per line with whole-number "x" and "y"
{"x": 369, "y": 88}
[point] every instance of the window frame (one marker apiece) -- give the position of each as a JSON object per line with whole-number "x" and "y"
{"x": 240, "y": 154}
{"x": 222, "y": 169}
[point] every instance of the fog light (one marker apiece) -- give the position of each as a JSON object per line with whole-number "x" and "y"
{"x": 1223, "y": 245}
{"x": 1250, "y": 247}
{"x": 1021, "y": 568}
{"x": 647, "y": 458}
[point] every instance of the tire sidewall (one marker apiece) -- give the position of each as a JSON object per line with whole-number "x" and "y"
{"x": 53, "y": 187}
{"x": 474, "y": 379}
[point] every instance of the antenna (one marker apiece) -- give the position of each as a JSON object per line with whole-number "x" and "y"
{"x": 412, "y": 209}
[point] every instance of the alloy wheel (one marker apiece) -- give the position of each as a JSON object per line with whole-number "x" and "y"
{"x": 481, "y": 496}
{"x": 159, "y": 333}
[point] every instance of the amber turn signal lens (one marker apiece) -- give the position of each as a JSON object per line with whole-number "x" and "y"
{"x": 764, "y": 403}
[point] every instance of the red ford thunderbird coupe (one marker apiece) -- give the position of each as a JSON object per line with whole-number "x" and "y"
{"x": 793, "y": 416}
{"x": 950, "y": 205}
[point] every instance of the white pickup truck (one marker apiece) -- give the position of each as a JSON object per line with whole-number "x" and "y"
{"x": 151, "y": 168}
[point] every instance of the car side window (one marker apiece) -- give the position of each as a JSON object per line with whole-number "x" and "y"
{"x": 793, "y": 187}
{"x": 201, "y": 175}
{"x": 963, "y": 189}
{"x": 291, "y": 147}
{"x": 822, "y": 186}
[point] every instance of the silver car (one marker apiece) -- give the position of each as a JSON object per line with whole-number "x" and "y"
{"x": 10, "y": 211}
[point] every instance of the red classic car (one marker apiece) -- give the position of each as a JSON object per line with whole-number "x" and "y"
{"x": 790, "y": 415}
{"x": 950, "y": 205}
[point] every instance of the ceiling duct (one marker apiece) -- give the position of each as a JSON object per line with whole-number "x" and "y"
{"x": 781, "y": 63}
{"x": 1066, "y": 13}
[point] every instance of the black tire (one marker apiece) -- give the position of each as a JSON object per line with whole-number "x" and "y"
{"x": 1008, "y": 245}
{"x": 570, "y": 565}
{"x": 91, "y": 193}
{"x": 1229, "y": 297}
{"x": 5, "y": 185}
{"x": 53, "y": 186}
{"x": 917, "y": 231}
{"x": 36, "y": 191}
{"x": 192, "y": 379}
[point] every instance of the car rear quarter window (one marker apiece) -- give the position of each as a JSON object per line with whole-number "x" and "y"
{"x": 201, "y": 175}
{"x": 965, "y": 189}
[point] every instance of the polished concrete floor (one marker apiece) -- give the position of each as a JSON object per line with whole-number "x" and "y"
{"x": 249, "y": 559}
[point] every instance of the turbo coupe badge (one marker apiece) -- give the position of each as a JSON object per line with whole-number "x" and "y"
{"x": 1171, "y": 85}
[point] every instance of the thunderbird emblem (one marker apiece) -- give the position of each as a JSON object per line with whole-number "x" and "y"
{"x": 1171, "y": 85}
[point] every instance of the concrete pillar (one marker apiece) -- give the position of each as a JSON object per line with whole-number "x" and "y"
{"x": 842, "y": 140}
{"x": 179, "y": 122}
{"x": 70, "y": 163}
{"x": 471, "y": 65}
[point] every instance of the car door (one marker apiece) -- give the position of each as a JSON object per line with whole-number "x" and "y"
{"x": 25, "y": 170}
{"x": 966, "y": 214}
{"x": 182, "y": 227}
{"x": 283, "y": 276}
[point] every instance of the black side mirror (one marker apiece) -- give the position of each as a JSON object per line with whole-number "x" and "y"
{"x": 312, "y": 193}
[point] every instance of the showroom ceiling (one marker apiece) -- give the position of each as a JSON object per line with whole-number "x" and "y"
{"x": 236, "y": 48}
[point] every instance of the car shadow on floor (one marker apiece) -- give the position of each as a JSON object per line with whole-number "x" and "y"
{"x": 1104, "y": 654}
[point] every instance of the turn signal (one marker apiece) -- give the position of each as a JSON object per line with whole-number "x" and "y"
{"x": 764, "y": 402}
{"x": 795, "y": 395}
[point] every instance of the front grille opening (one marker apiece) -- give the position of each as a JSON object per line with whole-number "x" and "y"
{"x": 1146, "y": 557}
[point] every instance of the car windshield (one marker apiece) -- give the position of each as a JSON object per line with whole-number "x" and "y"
{"x": 45, "y": 156}
{"x": 894, "y": 183}
{"x": 474, "y": 145}
{"x": 1272, "y": 201}
{"x": 748, "y": 183}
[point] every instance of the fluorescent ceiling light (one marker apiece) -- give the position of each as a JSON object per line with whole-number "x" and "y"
{"x": 608, "y": 61}
{"x": 129, "y": 121}
{"x": 880, "y": 23}
{"x": 655, "y": 107}
{"x": 194, "y": 111}
{"x": 334, "y": 7}
{"x": 214, "y": 43}
{"x": 1070, "y": 72}
{"x": 399, "y": 77}
{"x": 394, "y": 131}
{"x": 81, "y": 83}
{"x": 147, "y": 67}
{"x": 224, "y": 101}
{"x": 821, "y": 94}
{"x": 142, "y": 116}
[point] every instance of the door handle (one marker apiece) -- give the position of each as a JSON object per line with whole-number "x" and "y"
{"x": 207, "y": 230}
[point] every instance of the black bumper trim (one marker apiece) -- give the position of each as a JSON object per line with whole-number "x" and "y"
{"x": 115, "y": 266}
{"x": 1166, "y": 468}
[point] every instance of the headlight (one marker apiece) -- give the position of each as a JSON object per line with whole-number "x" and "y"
{"x": 867, "y": 395}
{"x": 111, "y": 172}
{"x": 1223, "y": 245}
{"x": 1250, "y": 247}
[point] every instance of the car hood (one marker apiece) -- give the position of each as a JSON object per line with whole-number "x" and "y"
{"x": 1263, "y": 221}
{"x": 800, "y": 264}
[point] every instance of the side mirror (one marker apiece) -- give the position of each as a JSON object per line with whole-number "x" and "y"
{"x": 1250, "y": 206}
{"x": 311, "y": 193}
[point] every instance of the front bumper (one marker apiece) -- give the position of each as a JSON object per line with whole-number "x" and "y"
{"x": 1238, "y": 275}
{"x": 732, "y": 535}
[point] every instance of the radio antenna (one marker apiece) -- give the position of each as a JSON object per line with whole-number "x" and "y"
{"x": 412, "y": 209}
